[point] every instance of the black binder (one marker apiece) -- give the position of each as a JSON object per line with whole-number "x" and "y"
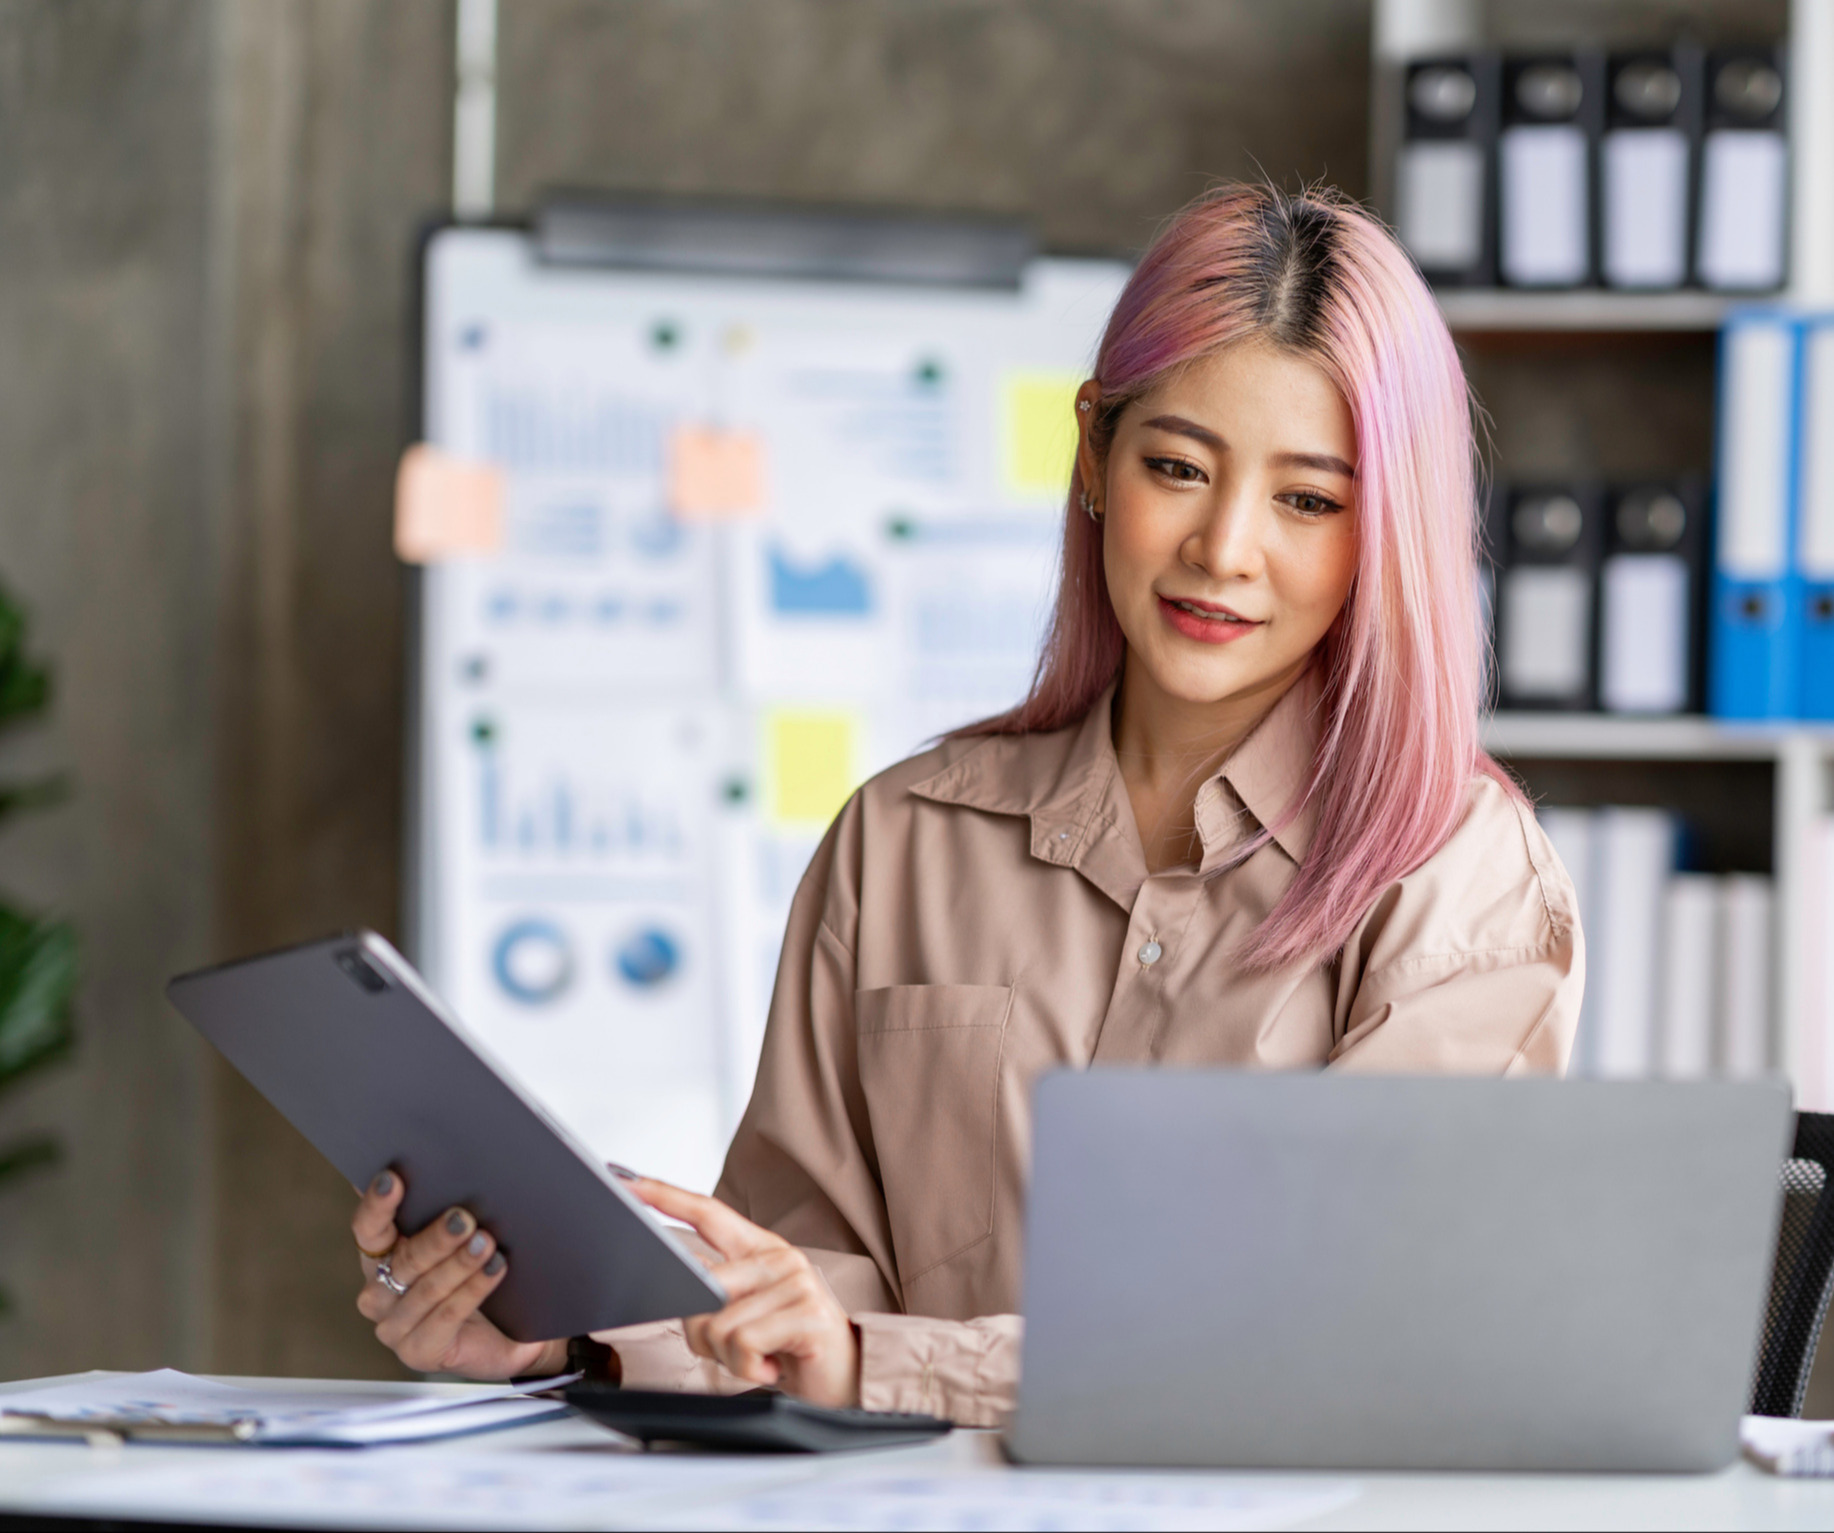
{"x": 1647, "y": 167}
{"x": 1553, "y": 115}
{"x": 1744, "y": 173}
{"x": 1445, "y": 169}
{"x": 1549, "y": 540}
{"x": 1653, "y": 599}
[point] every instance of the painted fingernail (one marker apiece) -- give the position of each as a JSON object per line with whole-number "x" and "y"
{"x": 383, "y": 1185}
{"x": 456, "y": 1222}
{"x": 494, "y": 1265}
{"x": 477, "y": 1243}
{"x": 623, "y": 1171}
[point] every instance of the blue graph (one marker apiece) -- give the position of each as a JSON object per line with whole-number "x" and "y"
{"x": 647, "y": 957}
{"x": 557, "y": 817}
{"x": 568, "y": 529}
{"x": 505, "y": 607}
{"x": 835, "y": 587}
{"x": 532, "y": 961}
{"x": 531, "y": 429}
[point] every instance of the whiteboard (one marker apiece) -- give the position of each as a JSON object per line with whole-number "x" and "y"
{"x": 632, "y": 724}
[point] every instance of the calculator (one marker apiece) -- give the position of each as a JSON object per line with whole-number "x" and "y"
{"x": 758, "y": 1421}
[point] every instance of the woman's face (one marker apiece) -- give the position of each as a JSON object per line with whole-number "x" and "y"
{"x": 1228, "y": 503}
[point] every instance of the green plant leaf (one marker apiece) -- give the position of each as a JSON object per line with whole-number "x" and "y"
{"x": 24, "y": 691}
{"x": 24, "y": 688}
{"x": 43, "y": 794}
{"x": 38, "y": 975}
{"x": 24, "y": 1155}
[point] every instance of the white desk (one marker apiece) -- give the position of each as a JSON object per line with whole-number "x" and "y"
{"x": 482, "y": 1482}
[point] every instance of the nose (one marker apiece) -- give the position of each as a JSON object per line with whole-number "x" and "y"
{"x": 1228, "y": 544}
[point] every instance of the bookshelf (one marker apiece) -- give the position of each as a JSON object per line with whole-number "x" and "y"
{"x": 1665, "y": 753}
{"x": 1477, "y": 311}
{"x": 1619, "y": 384}
{"x": 1616, "y": 737}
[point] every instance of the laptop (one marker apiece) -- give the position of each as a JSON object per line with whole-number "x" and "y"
{"x": 1339, "y": 1272}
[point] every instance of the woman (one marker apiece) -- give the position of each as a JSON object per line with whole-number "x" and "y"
{"x": 1242, "y": 819}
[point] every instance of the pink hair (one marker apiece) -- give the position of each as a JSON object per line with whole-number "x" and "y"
{"x": 1403, "y": 666}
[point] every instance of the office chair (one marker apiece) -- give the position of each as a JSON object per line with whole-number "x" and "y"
{"x": 1803, "y": 1279}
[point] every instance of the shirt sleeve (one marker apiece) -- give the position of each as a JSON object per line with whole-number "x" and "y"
{"x": 1475, "y": 965}
{"x": 965, "y": 1371}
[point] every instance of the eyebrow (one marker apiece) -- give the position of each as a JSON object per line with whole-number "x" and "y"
{"x": 1328, "y": 463}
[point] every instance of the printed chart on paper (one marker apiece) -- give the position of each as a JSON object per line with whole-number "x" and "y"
{"x": 759, "y": 540}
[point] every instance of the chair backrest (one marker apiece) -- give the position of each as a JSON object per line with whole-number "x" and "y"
{"x": 1803, "y": 1279}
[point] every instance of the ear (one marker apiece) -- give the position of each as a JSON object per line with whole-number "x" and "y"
{"x": 1088, "y": 462}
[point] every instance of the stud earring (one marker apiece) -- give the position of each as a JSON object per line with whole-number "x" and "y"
{"x": 1083, "y": 405}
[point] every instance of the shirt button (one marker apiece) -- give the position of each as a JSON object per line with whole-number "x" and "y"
{"x": 1149, "y": 953}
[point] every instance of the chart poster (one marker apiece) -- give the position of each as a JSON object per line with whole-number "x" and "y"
{"x": 726, "y": 547}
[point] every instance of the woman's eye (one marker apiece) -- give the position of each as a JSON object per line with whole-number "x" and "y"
{"x": 1308, "y": 504}
{"x": 1181, "y": 469}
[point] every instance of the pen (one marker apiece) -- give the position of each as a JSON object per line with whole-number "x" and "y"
{"x": 100, "y": 1430}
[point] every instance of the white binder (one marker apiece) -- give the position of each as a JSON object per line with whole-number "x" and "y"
{"x": 1544, "y": 187}
{"x": 1645, "y": 206}
{"x": 1689, "y": 991}
{"x": 1634, "y": 855}
{"x": 1743, "y": 186}
{"x": 1570, "y": 830}
{"x": 1744, "y": 173}
{"x": 1744, "y": 975}
{"x": 1552, "y": 111}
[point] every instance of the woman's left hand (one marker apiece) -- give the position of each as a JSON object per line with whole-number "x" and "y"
{"x": 782, "y": 1324}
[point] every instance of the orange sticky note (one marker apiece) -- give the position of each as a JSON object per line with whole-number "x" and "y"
{"x": 446, "y": 506}
{"x": 715, "y": 473}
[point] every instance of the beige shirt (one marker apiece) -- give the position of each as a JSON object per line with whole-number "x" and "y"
{"x": 983, "y": 913}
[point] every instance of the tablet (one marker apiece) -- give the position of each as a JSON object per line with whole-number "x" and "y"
{"x": 347, "y": 1041}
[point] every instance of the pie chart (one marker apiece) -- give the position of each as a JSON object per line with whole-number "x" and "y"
{"x": 532, "y": 961}
{"x": 647, "y": 957}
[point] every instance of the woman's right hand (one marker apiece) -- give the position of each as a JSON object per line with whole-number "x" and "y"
{"x": 448, "y": 1269}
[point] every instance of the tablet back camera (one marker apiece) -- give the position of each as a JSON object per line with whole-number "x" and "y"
{"x": 357, "y": 967}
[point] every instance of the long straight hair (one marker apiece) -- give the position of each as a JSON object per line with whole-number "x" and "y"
{"x": 1402, "y": 667}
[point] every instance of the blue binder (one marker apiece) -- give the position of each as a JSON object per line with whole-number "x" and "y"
{"x": 1815, "y": 516}
{"x": 1757, "y": 596}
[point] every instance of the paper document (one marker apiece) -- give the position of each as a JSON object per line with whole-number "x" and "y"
{"x": 1789, "y": 1447}
{"x": 422, "y": 1490}
{"x": 1028, "y": 1499}
{"x": 662, "y": 1490}
{"x": 330, "y": 1416}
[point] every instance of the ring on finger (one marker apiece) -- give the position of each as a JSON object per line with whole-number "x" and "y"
{"x": 386, "y": 1277}
{"x": 382, "y": 1255}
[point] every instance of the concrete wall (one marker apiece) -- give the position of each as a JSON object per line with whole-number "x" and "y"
{"x": 206, "y": 219}
{"x": 1092, "y": 118}
{"x": 106, "y": 532}
{"x": 333, "y": 147}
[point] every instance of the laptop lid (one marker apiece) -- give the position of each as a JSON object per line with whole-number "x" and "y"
{"x": 1325, "y": 1271}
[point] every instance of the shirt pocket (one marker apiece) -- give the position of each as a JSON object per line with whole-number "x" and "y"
{"x": 930, "y": 1068}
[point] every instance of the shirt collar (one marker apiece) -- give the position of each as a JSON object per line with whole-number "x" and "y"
{"x": 1068, "y": 783}
{"x": 1268, "y": 772}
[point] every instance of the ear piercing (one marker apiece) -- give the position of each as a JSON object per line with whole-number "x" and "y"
{"x": 1086, "y": 499}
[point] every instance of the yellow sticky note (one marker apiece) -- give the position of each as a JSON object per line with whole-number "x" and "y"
{"x": 715, "y": 473}
{"x": 446, "y": 506}
{"x": 1038, "y": 427}
{"x": 811, "y": 761}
